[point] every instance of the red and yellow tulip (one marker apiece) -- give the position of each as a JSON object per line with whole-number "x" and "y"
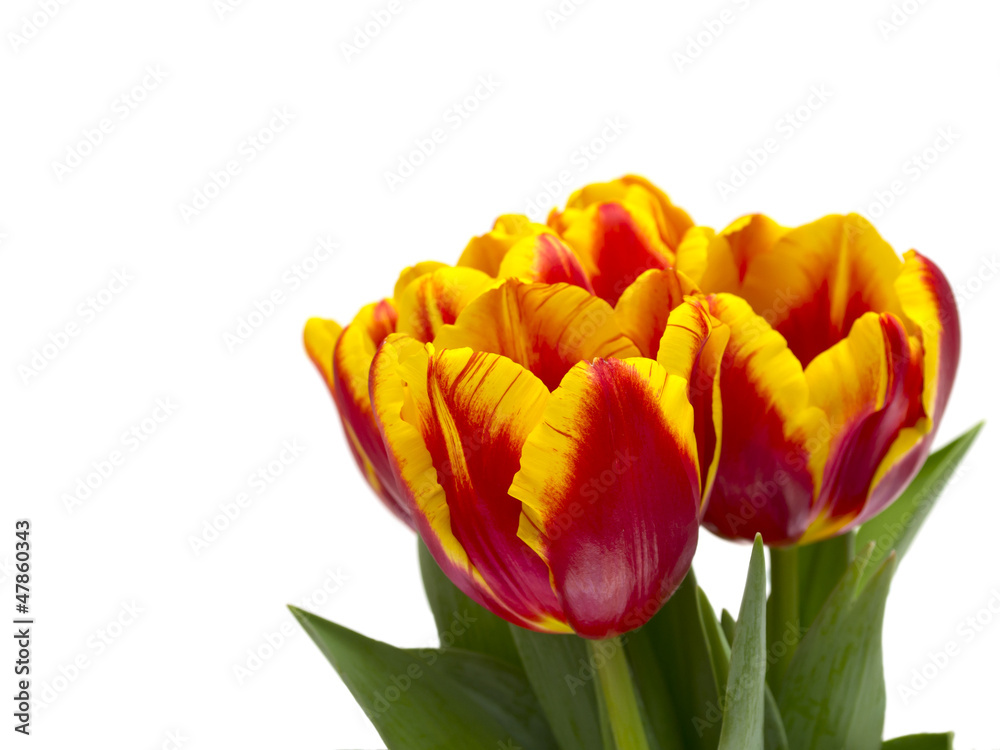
{"x": 552, "y": 450}
{"x": 839, "y": 365}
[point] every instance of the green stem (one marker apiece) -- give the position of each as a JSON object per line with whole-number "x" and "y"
{"x": 615, "y": 678}
{"x": 785, "y": 610}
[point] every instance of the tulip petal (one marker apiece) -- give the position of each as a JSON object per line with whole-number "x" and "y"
{"x": 817, "y": 279}
{"x": 486, "y": 253}
{"x": 546, "y": 328}
{"x": 928, "y": 301}
{"x": 869, "y": 385}
{"x": 455, "y": 422}
{"x": 320, "y": 336}
{"x": 351, "y": 360}
{"x": 614, "y": 246}
{"x": 771, "y": 454}
{"x": 720, "y": 262}
{"x": 692, "y": 347}
{"x": 609, "y": 483}
{"x": 670, "y": 221}
{"x": 620, "y": 230}
{"x": 644, "y": 308}
{"x": 543, "y": 258}
{"x": 692, "y": 256}
{"x": 412, "y": 273}
{"x": 930, "y": 305}
{"x": 436, "y": 298}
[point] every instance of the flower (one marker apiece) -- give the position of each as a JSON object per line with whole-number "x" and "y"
{"x": 839, "y": 365}
{"x": 554, "y": 473}
{"x": 545, "y": 413}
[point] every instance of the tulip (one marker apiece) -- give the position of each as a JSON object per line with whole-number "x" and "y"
{"x": 840, "y": 361}
{"x": 552, "y": 446}
{"x": 554, "y": 472}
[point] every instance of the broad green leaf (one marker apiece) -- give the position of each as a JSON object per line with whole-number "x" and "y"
{"x": 562, "y": 676}
{"x": 460, "y": 621}
{"x": 833, "y": 695}
{"x": 433, "y": 699}
{"x": 920, "y": 742}
{"x": 896, "y": 526}
{"x": 821, "y": 566}
{"x": 679, "y": 644}
{"x": 743, "y": 718}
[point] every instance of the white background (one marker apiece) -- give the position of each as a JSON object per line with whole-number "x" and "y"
{"x": 687, "y": 126}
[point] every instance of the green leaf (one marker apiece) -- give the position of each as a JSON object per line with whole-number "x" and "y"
{"x": 743, "y": 719}
{"x": 717, "y": 643}
{"x": 432, "y": 699}
{"x": 460, "y": 621}
{"x": 833, "y": 695}
{"x": 656, "y": 702}
{"x": 774, "y": 729}
{"x": 560, "y": 673}
{"x": 821, "y": 566}
{"x": 920, "y": 742}
{"x": 679, "y": 644}
{"x": 896, "y": 526}
{"x": 728, "y": 625}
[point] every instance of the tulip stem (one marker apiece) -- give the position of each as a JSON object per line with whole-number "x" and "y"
{"x": 611, "y": 664}
{"x": 785, "y": 613}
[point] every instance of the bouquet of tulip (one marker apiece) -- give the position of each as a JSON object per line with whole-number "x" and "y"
{"x": 558, "y": 415}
